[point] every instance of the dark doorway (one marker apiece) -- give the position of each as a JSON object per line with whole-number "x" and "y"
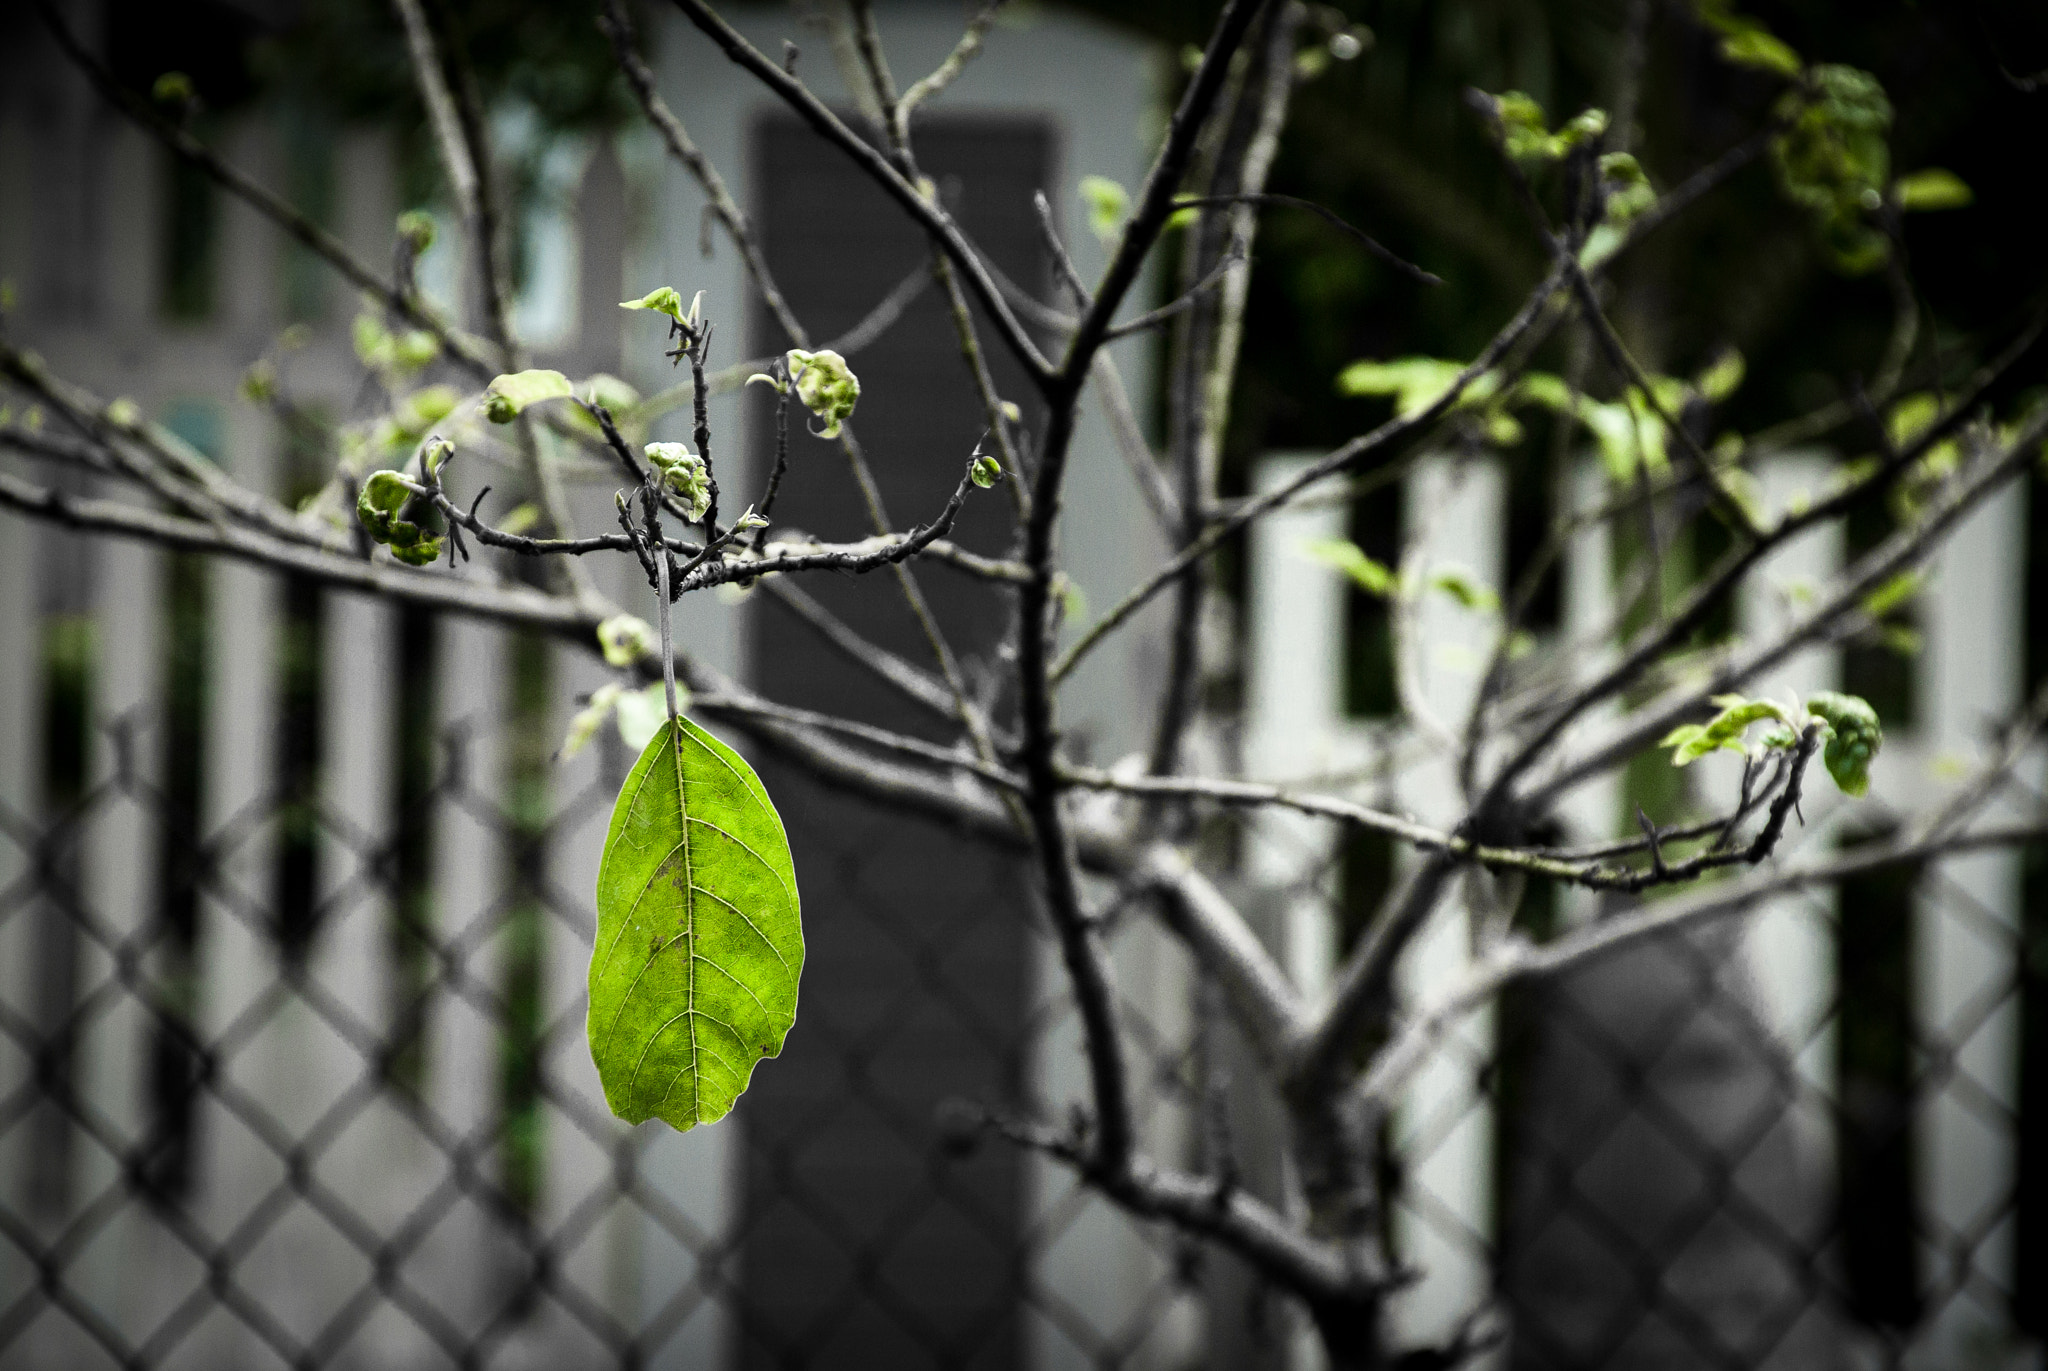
{"x": 865, "y": 1244}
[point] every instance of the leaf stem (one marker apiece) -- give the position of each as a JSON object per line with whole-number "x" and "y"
{"x": 668, "y": 647}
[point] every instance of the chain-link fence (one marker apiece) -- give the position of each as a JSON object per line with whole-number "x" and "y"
{"x": 292, "y": 1063}
{"x": 365, "y": 1132}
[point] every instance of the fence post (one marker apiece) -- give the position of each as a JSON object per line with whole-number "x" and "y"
{"x": 239, "y": 987}
{"x": 1791, "y": 941}
{"x": 1443, "y": 1127}
{"x": 462, "y": 1264}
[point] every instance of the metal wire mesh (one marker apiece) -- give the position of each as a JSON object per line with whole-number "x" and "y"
{"x": 231, "y": 1149}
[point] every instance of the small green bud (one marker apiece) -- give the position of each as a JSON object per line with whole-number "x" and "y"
{"x": 416, "y": 230}
{"x": 1108, "y": 205}
{"x": 683, "y": 472}
{"x": 259, "y": 382}
{"x": 372, "y": 342}
{"x": 436, "y": 456}
{"x": 1011, "y": 411}
{"x": 414, "y": 349}
{"x": 984, "y": 471}
{"x": 172, "y": 88}
{"x": 124, "y": 413}
{"x": 1854, "y": 737}
{"x": 429, "y": 405}
{"x": 826, "y": 386}
{"x": 749, "y": 521}
{"x": 625, "y": 639}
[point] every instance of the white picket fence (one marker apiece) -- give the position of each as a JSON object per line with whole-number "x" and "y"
{"x": 1965, "y": 936}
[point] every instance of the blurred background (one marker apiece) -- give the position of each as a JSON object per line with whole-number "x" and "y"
{"x": 295, "y": 888}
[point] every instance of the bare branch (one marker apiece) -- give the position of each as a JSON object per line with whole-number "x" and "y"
{"x": 1400, "y": 265}
{"x": 948, "y": 70}
{"x": 929, "y": 215}
{"x": 618, "y": 29}
{"x": 1219, "y": 936}
{"x": 468, "y": 351}
{"x": 1350, "y": 454}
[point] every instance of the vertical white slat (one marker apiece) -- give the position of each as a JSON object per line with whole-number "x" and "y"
{"x": 1294, "y": 674}
{"x": 1966, "y": 940}
{"x": 117, "y": 878}
{"x": 382, "y": 1166}
{"x": 600, "y": 1260}
{"x": 1591, "y": 808}
{"x": 1444, "y": 1122}
{"x": 350, "y": 962}
{"x": 118, "y": 1271}
{"x": 237, "y": 956}
{"x": 1294, "y": 708}
{"x": 461, "y": 1264}
{"x": 1791, "y": 942}
{"x": 20, "y": 732}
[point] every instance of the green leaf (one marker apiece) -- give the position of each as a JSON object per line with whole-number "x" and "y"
{"x": 1690, "y": 742}
{"x": 699, "y": 940}
{"x": 662, "y": 300}
{"x": 1525, "y": 138}
{"x": 1892, "y": 594}
{"x": 1108, "y": 204}
{"x": 1722, "y": 376}
{"x": 1416, "y": 383}
{"x": 1854, "y": 738}
{"x": 508, "y": 395}
{"x": 377, "y": 507}
{"x": 1833, "y": 159}
{"x": 1372, "y": 577}
{"x": 984, "y": 471}
{"x": 1933, "y": 188}
{"x": 1460, "y": 585}
{"x": 1753, "y": 47}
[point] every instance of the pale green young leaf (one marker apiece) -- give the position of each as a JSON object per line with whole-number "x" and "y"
{"x": 509, "y": 394}
{"x": 1416, "y": 383}
{"x": 699, "y": 940}
{"x": 1753, "y": 47}
{"x": 1107, "y": 203}
{"x": 1463, "y": 587}
{"x": 662, "y": 300}
{"x": 1690, "y": 742}
{"x": 1933, "y": 188}
{"x": 642, "y": 712}
{"x": 1373, "y": 577}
